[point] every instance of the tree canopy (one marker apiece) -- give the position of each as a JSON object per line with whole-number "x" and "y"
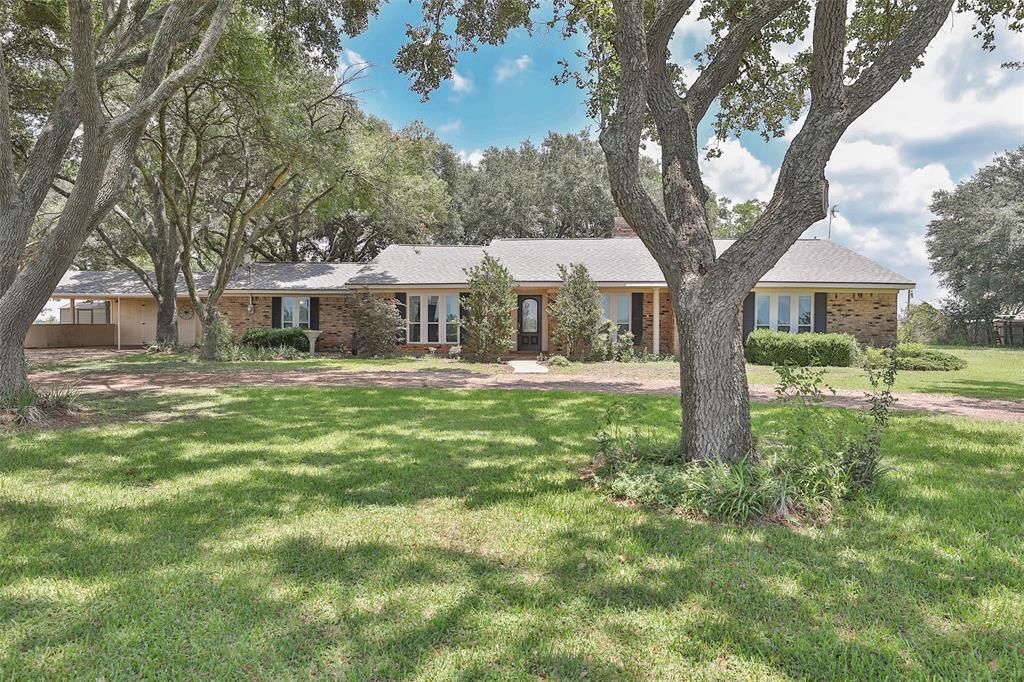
{"x": 976, "y": 242}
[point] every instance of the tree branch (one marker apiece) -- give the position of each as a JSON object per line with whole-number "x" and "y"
{"x": 124, "y": 259}
{"x": 167, "y": 85}
{"x": 620, "y": 140}
{"x": 722, "y": 68}
{"x": 899, "y": 58}
{"x": 6, "y": 148}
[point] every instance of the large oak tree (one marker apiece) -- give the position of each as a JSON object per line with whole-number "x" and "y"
{"x": 62, "y": 58}
{"x": 856, "y": 53}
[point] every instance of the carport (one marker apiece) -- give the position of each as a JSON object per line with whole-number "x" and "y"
{"x": 132, "y": 317}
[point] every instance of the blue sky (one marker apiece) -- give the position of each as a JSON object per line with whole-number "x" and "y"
{"x": 953, "y": 116}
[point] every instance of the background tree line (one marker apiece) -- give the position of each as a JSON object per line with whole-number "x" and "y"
{"x": 976, "y": 248}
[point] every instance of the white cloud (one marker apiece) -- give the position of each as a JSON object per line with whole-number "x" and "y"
{"x": 473, "y": 158}
{"x": 461, "y": 83}
{"x": 737, "y": 173}
{"x": 509, "y": 68}
{"x": 450, "y": 126}
{"x": 913, "y": 192}
{"x": 927, "y": 108}
{"x": 917, "y": 248}
{"x": 350, "y": 59}
{"x": 863, "y": 155}
{"x": 651, "y": 150}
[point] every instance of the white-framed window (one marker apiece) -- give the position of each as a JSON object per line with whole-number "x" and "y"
{"x": 295, "y": 312}
{"x": 451, "y": 318}
{"x": 785, "y": 312}
{"x": 424, "y": 313}
{"x": 618, "y": 308}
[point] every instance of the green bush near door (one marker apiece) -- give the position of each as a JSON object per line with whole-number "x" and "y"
{"x": 266, "y": 337}
{"x": 767, "y": 347}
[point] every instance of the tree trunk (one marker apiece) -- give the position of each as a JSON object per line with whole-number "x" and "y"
{"x": 13, "y": 373}
{"x": 166, "y": 275}
{"x": 715, "y": 399}
{"x": 211, "y": 339}
{"x": 167, "y": 321}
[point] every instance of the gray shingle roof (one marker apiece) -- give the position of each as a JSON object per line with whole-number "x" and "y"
{"x": 293, "y": 276}
{"x": 825, "y": 261}
{"x": 254, "y": 277}
{"x": 420, "y": 264}
{"x": 610, "y": 261}
{"x": 105, "y": 283}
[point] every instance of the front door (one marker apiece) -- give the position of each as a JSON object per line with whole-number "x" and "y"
{"x": 529, "y": 323}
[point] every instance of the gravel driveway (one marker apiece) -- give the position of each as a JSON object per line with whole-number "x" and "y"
{"x": 119, "y": 382}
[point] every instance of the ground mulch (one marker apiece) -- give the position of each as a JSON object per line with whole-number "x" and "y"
{"x": 120, "y": 382}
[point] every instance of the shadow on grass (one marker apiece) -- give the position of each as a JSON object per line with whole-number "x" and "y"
{"x": 978, "y": 388}
{"x": 387, "y": 533}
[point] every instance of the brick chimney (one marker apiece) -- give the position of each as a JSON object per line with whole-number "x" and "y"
{"x": 621, "y": 228}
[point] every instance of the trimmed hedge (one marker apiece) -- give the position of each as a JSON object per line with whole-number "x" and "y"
{"x": 767, "y": 347}
{"x": 916, "y": 357}
{"x": 265, "y": 337}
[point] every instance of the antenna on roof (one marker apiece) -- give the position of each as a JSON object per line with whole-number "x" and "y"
{"x": 832, "y": 213}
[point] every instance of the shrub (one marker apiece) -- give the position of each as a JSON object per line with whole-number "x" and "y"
{"x": 611, "y": 344}
{"x": 766, "y": 347}
{"x": 815, "y": 458}
{"x": 915, "y": 357}
{"x": 262, "y": 354}
{"x": 489, "y": 325}
{"x": 559, "y": 361}
{"x": 266, "y": 337}
{"x": 378, "y": 325}
{"x": 577, "y": 310}
{"x": 455, "y": 352}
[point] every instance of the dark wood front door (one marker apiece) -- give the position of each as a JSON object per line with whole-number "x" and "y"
{"x": 529, "y": 323}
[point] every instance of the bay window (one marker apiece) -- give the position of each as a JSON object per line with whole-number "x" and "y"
{"x": 424, "y": 323}
{"x": 780, "y": 311}
{"x": 295, "y": 312}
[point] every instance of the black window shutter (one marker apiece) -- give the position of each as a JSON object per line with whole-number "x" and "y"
{"x": 748, "y": 315}
{"x": 314, "y": 312}
{"x": 820, "y": 311}
{"x": 637, "y": 325}
{"x": 401, "y": 302}
{"x": 275, "y": 312}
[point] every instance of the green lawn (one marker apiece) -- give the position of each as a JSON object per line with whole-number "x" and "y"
{"x": 990, "y": 373}
{"x": 166, "y": 363}
{"x": 389, "y": 533}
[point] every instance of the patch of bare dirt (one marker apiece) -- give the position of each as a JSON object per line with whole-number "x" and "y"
{"x": 121, "y": 382}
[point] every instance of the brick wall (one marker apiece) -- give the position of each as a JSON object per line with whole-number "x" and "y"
{"x": 234, "y": 309}
{"x": 668, "y": 323}
{"x": 336, "y": 318}
{"x": 868, "y": 316}
{"x": 337, "y": 322}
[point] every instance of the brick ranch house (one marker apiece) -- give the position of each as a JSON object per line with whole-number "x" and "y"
{"x": 817, "y": 286}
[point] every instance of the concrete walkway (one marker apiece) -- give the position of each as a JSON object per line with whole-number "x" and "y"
{"x": 527, "y": 367}
{"x": 119, "y": 382}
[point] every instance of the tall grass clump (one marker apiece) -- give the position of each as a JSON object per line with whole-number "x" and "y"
{"x": 36, "y": 406}
{"x": 814, "y": 458}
